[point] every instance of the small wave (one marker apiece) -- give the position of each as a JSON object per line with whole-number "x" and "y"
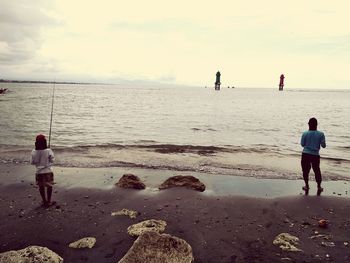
{"x": 204, "y": 130}
{"x": 145, "y": 141}
{"x": 346, "y": 148}
{"x": 149, "y": 146}
{"x": 172, "y": 148}
{"x": 336, "y": 159}
{"x": 319, "y": 90}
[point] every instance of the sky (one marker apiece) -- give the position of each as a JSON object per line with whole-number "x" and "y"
{"x": 178, "y": 42}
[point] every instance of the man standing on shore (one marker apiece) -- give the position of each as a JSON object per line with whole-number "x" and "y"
{"x": 311, "y": 140}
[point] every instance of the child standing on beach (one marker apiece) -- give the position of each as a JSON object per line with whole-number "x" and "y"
{"x": 311, "y": 140}
{"x": 42, "y": 157}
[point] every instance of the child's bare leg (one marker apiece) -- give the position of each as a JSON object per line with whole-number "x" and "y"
{"x": 49, "y": 194}
{"x": 42, "y": 193}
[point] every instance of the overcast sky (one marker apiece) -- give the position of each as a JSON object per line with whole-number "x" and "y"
{"x": 178, "y": 42}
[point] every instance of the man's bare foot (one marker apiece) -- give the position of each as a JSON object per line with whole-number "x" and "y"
{"x": 319, "y": 190}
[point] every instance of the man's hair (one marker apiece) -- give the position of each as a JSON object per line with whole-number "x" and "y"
{"x": 312, "y": 124}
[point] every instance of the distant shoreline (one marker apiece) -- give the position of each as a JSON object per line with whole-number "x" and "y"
{"x": 47, "y": 82}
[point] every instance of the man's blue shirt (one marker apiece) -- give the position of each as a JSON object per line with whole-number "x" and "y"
{"x": 312, "y": 140}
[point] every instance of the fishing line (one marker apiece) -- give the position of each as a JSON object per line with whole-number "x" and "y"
{"x": 53, "y": 97}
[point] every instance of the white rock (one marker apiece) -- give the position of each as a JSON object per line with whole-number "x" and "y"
{"x": 152, "y": 247}
{"x": 125, "y": 212}
{"x": 145, "y": 226}
{"x": 31, "y": 254}
{"x": 86, "y": 242}
{"x": 287, "y": 242}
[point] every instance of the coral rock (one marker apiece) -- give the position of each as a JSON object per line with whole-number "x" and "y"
{"x": 31, "y": 254}
{"x": 130, "y": 181}
{"x": 146, "y": 226}
{"x": 287, "y": 242}
{"x": 125, "y": 212}
{"x": 152, "y": 247}
{"x": 186, "y": 181}
{"x": 86, "y": 242}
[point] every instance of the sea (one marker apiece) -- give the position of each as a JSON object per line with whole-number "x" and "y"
{"x": 253, "y": 132}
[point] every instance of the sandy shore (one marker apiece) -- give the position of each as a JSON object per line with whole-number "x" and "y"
{"x": 219, "y": 227}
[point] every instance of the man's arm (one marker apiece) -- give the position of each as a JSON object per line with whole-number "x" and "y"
{"x": 323, "y": 141}
{"x": 302, "y": 142}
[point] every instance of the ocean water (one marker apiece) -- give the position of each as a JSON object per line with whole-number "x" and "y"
{"x": 241, "y": 131}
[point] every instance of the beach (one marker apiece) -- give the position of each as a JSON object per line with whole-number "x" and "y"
{"x": 220, "y": 227}
{"x": 242, "y": 144}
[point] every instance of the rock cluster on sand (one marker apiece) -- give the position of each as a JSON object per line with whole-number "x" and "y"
{"x": 183, "y": 180}
{"x": 287, "y": 242}
{"x": 130, "y": 181}
{"x": 86, "y": 242}
{"x": 146, "y": 226}
{"x": 125, "y": 212}
{"x": 152, "y": 247}
{"x": 31, "y": 254}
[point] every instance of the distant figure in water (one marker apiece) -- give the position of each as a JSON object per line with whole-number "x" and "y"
{"x": 311, "y": 140}
{"x": 42, "y": 157}
{"x": 281, "y": 85}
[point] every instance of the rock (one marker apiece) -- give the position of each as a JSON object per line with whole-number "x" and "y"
{"x": 152, "y": 247}
{"x": 125, "y": 212}
{"x": 86, "y": 242}
{"x": 323, "y": 223}
{"x": 326, "y": 237}
{"x": 186, "y": 181}
{"x": 31, "y": 254}
{"x": 130, "y": 181}
{"x": 146, "y": 226}
{"x": 327, "y": 244}
{"x": 287, "y": 242}
{"x": 286, "y": 260}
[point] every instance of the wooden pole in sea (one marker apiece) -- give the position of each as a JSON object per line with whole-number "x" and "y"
{"x": 217, "y": 82}
{"x": 281, "y": 85}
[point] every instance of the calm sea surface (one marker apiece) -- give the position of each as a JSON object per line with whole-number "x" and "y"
{"x": 252, "y": 132}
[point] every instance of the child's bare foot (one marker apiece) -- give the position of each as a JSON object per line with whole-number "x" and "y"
{"x": 306, "y": 188}
{"x": 48, "y": 204}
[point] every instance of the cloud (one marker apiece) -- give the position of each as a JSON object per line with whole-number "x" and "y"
{"x": 182, "y": 42}
{"x": 20, "y": 29}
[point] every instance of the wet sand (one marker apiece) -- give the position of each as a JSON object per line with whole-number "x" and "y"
{"x": 218, "y": 226}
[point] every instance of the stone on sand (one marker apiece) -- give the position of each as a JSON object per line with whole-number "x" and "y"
{"x": 146, "y": 226}
{"x": 125, "y": 212}
{"x": 130, "y": 181}
{"x": 31, "y": 254}
{"x": 187, "y": 181}
{"x": 86, "y": 242}
{"x": 152, "y": 247}
{"x": 287, "y": 242}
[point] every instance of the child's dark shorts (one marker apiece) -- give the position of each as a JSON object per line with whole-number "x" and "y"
{"x": 45, "y": 179}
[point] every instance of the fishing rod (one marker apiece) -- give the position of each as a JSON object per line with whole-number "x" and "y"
{"x": 53, "y": 97}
